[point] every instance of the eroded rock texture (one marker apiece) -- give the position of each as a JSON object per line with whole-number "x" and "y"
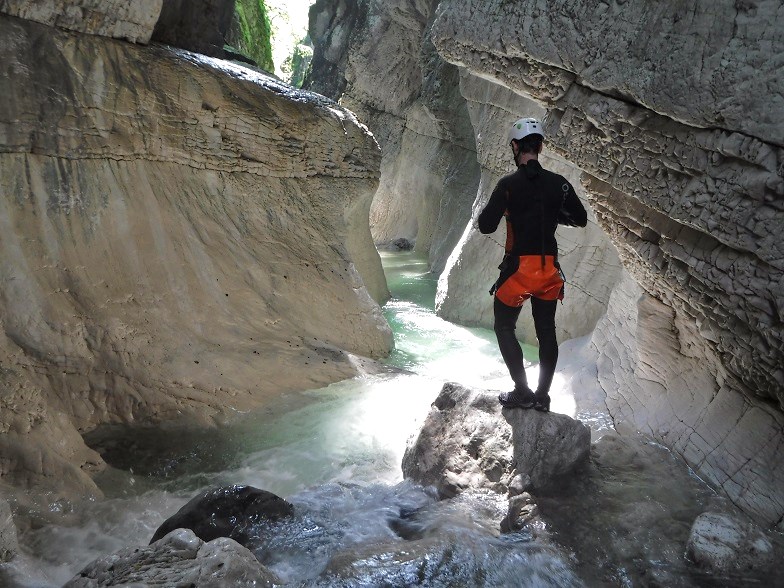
{"x": 376, "y": 57}
{"x": 133, "y": 20}
{"x": 180, "y": 238}
{"x": 674, "y": 114}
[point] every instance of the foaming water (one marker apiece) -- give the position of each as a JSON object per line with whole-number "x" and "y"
{"x": 335, "y": 453}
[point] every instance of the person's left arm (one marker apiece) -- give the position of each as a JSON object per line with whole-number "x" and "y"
{"x": 494, "y": 209}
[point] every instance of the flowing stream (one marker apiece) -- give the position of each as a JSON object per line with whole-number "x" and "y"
{"x": 335, "y": 453}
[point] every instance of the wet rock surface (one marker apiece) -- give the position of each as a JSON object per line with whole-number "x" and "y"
{"x": 235, "y": 512}
{"x": 467, "y": 443}
{"x": 722, "y": 543}
{"x": 178, "y": 559}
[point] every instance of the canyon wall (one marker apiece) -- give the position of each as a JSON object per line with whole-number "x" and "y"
{"x": 376, "y": 58}
{"x": 181, "y": 239}
{"x": 443, "y": 138}
{"x": 675, "y": 116}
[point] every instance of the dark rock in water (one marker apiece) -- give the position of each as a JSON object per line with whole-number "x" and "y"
{"x": 403, "y": 244}
{"x": 178, "y": 559}
{"x": 468, "y": 442}
{"x": 231, "y": 511}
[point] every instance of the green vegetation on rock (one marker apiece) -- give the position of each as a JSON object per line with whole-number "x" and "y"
{"x": 299, "y": 62}
{"x": 251, "y": 32}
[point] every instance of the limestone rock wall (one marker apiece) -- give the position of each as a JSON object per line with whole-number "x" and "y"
{"x": 133, "y": 20}
{"x": 377, "y": 59}
{"x": 674, "y": 115}
{"x": 181, "y": 239}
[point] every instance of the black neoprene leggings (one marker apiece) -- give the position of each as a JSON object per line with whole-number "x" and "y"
{"x": 506, "y": 317}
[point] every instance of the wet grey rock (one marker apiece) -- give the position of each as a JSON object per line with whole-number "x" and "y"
{"x": 721, "y": 543}
{"x": 403, "y": 244}
{"x": 9, "y": 545}
{"x": 522, "y": 510}
{"x": 178, "y": 559}
{"x": 236, "y": 512}
{"x": 468, "y": 442}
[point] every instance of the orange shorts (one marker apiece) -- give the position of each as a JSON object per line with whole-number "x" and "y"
{"x": 531, "y": 279}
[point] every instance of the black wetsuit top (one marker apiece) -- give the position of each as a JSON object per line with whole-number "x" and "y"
{"x": 537, "y": 201}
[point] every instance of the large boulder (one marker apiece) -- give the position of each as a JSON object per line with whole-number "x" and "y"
{"x": 469, "y": 442}
{"x": 178, "y": 559}
{"x": 722, "y": 544}
{"x": 236, "y": 512}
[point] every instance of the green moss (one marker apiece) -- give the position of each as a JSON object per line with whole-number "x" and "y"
{"x": 251, "y": 32}
{"x": 299, "y": 62}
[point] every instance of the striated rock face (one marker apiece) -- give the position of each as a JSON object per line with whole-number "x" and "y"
{"x": 181, "y": 238}
{"x": 133, "y": 20}
{"x": 377, "y": 59}
{"x": 682, "y": 163}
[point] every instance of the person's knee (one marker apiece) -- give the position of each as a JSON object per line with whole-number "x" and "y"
{"x": 501, "y": 328}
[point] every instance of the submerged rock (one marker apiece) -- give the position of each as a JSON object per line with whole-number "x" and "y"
{"x": 232, "y": 511}
{"x": 178, "y": 559}
{"x": 721, "y": 543}
{"x": 468, "y": 442}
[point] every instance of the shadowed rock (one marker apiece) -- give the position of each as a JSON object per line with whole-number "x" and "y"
{"x": 231, "y": 511}
{"x": 467, "y": 442}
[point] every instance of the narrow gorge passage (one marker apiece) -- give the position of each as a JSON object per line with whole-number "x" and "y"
{"x": 337, "y": 451}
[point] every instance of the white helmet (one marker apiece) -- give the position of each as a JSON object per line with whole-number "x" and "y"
{"x": 524, "y": 127}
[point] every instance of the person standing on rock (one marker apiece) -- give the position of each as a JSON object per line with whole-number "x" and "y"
{"x": 534, "y": 201}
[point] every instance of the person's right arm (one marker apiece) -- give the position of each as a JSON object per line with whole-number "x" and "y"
{"x": 493, "y": 211}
